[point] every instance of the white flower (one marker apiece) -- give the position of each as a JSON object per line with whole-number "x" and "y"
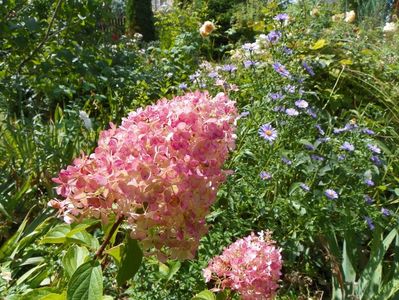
{"x": 390, "y": 28}
{"x": 207, "y": 28}
{"x": 350, "y": 16}
{"x": 86, "y": 120}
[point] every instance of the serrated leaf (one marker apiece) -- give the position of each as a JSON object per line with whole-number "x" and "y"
{"x": 86, "y": 283}
{"x": 131, "y": 260}
{"x": 204, "y": 295}
{"x": 73, "y": 258}
{"x": 84, "y": 238}
{"x": 319, "y": 44}
{"x": 56, "y": 235}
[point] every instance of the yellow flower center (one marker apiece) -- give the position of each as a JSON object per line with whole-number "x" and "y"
{"x": 268, "y": 132}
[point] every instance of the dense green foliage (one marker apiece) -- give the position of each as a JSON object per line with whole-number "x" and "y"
{"x": 140, "y": 19}
{"x": 65, "y": 73}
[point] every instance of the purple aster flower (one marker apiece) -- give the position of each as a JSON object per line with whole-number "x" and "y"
{"x": 370, "y": 223}
{"x": 374, "y": 148}
{"x": 249, "y": 63}
{"x": 268, "y": 132}
{"x": 339, "y": 130}
{"x": 308, "y": 68}
{"x": 276, "y": 96}
{"x": 309, "y": 147}
{"x": 351, "y": 126}
{"x": 321, "y": 131}
{"x": 341, "y": 157}
{"x": 229, "y": 68}
{"x": 323, "y": 140}
{"x": 281, "y": 17}
{"x": 291, "y": 112}
{"x": 369, "y": 182}
{"x": 317, "y": 157}
{"x": 385, "y": 212}
{"x": 182, "y": 86}
{"x": 194, "y": 76}
{"x": 301, "y": 80}
{"x": 331, "y": 194}
{"x": 368, "y": 131}
{"x": 213, "y": 74}
{"x": 274, "y": 36}
{"x": 347, "y": 147}
{"x": 376, "y": 160}
{"x": 278, "y": 108}
{"x": 305, "y": 187}
{"x": 265, "y": 175}
{"x": 289, "y": 88}
{"x": 287, "y": 50}
{"x": 311, "y": 113}
{"x": 301, "y": 103}
{"x": 244, "y": 114}
{"x": 279, "y": 68}
{"x": 368, "y": 199}
{"x": 285, "y": 160}
{"x": 250, "y": 46}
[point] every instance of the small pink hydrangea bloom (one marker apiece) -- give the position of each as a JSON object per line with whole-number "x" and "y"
{"x": 250, "y": 266}
{"x": 160, "y": 170}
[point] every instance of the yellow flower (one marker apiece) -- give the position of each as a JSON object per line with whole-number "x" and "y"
{"x": 350, "y": 16}
{"x": 207, "y": 28}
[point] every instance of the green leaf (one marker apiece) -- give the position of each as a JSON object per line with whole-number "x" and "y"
{"x": 347, "y": 266}
{"x": 131, "y": 260}
{"x": 40, "y": 293}
{"x": 8, "y": 247}
{"x": 174, "y": 266}
{"x": 85, "y": 238}
{"x": 116, "y": 253}
{"x": 54, "y": 296}
{"x": 204, "y": 295}
{"x": 370, "y": 280}
{"x": 319, "y": 44}
{"x": 86, "y": 283}
{"x": 56, "y": 235}
{"x": 29, "y": 274}
{"x": 73, "y": 258}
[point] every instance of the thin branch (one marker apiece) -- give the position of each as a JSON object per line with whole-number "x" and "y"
{"x": 99, "y": 253}
{"x": 45, "y": 38}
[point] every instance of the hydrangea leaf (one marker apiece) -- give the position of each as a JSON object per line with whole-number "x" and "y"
{"x": 86, "y": 283}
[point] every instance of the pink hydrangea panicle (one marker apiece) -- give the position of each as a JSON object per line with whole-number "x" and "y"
{"x": 160, "y": 169}
{"x": 250, "y": 266}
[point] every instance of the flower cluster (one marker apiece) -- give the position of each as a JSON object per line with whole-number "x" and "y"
{"x": 160, "y": 170}
{"x": 251, "y": 266}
